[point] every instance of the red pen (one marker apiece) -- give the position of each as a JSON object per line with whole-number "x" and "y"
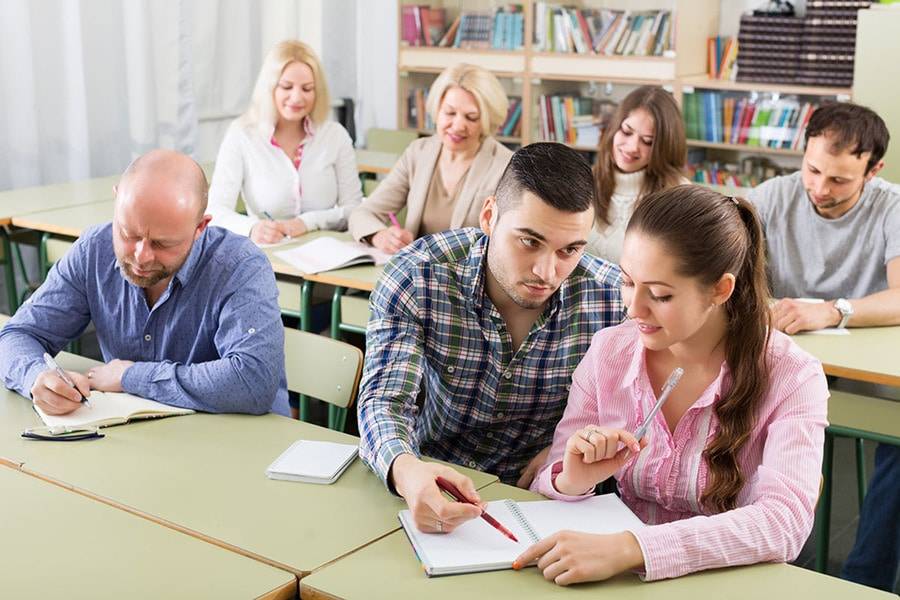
{"x": 454, "y": 491}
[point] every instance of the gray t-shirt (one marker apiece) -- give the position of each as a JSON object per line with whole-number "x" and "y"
{"x": 814, "y": 257}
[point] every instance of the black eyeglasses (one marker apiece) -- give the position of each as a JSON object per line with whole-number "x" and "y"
{"x": 55, "y": 434}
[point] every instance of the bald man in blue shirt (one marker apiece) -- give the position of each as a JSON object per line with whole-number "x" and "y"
{"x": 185, "y": 314}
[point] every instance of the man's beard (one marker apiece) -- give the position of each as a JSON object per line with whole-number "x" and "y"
{"x": 142, "y": 282}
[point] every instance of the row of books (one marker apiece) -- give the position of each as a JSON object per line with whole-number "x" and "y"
{"x": 418, "y": 118}
{"x": 574, "y": 120}
{"x": 422, "y": 25}
{"x": 752, "y": 120}
{"x": 750, "y": 172}
{"x": 721, "y": 57}
{"x": 602, "y": 31}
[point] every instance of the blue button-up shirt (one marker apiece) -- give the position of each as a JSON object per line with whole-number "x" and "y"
{"x": 213, "y": 342}
{"x": 433, "y": 329}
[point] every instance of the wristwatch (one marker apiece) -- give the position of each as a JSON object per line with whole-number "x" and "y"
{"x": 844, "y": 307}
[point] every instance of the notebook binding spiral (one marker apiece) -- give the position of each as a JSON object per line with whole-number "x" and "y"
{"x": 522, "y": 520}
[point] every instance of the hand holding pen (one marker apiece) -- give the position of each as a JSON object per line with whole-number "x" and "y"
{"x": 59, "y": 392}
{"x": 594, "y": 453}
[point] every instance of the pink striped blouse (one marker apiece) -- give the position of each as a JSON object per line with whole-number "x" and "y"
{"x": 781, "y": 461}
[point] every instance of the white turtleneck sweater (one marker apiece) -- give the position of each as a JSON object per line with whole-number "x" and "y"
{"x": 605, "y": 239}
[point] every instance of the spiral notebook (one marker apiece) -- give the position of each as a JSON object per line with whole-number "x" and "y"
{"x": 476, "y": 546}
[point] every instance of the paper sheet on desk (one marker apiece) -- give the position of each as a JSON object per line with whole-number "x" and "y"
{"x": 830, "y": 331}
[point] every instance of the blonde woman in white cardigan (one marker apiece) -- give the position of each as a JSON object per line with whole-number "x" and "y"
{"x": 295, "y": 169}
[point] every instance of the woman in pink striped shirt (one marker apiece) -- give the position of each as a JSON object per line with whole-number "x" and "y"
{"x": 728, "y": 472}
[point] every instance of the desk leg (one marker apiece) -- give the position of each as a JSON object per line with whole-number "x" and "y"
{"x": 337, "y": 417}
{"x": 306, "y": 290}
{"x": 9, "y": 272}
{"x": 823, "y": 511}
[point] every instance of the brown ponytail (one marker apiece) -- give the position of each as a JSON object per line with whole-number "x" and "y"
{"x": 711, "y": 235}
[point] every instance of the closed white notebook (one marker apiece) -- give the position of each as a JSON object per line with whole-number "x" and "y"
{"x": 313, "y": 462}
{"x": 327, "y": 254}
{"x": 109, "y": 408}
{"x": 476, "y": 546}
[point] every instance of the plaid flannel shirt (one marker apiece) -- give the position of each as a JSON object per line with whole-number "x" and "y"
{"x": 434, "y": 336}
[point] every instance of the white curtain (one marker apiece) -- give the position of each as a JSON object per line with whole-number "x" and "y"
{"x": 376, "y": 65}
{"x": 85, "y": 86}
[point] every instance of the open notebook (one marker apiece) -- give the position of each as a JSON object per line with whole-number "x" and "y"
{"x": 476, "y": 546}
{"x": 327, "y": 254}
{"x": 109, "y": 408}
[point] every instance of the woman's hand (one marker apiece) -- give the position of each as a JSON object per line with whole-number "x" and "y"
{"x": 267, "y": 232}
{"x": 571, "y": 557}
{"x": 593, "y": 455}
{"x": 392, "y": 240}
{"x": 293, "y": 228}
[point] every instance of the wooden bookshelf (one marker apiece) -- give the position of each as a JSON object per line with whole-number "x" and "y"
{"x": 705, "y": 83}
{"x": 744, "y": 148}
{"x": 530, "y": 68}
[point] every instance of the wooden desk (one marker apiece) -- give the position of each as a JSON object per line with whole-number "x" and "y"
{"x": 24, "y": 201}
{"x": 867, "y": 354}
{"x": 69, "y": 221}
{"x": 389, "y": 569}
{"x": 60, "y": 544}
{"x": 205, "y": 475}
{"x": 371, "y": 161}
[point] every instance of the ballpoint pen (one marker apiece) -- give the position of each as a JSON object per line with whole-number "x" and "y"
{"x": 51, "y": 364}
{"x": 394, "y": 220}
{"x": 671, "y": 382}
{"x": 458, "y": 496}
{"x": 269, "y": 218}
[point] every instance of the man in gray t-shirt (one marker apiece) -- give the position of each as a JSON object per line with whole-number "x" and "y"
{"x": 833, "y": 233}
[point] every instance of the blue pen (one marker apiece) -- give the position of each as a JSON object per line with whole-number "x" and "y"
{"x": 269, "y": 217}
{"x": 51, "y": 364}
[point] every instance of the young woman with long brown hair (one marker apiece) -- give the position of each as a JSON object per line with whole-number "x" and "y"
{"x": 642, "y": 151}
{"x": 728, "y": 472}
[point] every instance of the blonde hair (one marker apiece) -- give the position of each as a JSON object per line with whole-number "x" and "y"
{"x": 481, "y": 83}
{"x": 262, "y": 105}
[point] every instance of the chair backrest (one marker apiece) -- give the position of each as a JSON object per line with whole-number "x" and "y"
{"x": 389, "y": 140}
{"x": 322, "y": 367}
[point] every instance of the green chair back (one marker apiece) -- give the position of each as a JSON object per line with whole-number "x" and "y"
{"x": 323, "y": 368}
{"x": 389, "y": 140}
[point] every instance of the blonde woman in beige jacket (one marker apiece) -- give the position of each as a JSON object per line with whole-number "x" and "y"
{"x": 441, "y": 180}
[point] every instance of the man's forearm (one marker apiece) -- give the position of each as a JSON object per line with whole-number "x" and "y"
{"x": 235, "y": 384}
{"x": 878, "y": 309}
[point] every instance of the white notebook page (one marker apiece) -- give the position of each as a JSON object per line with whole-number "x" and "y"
{"x": 318, "y": 460}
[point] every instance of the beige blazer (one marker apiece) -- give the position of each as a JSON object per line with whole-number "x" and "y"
{"x": 408, "y": 182}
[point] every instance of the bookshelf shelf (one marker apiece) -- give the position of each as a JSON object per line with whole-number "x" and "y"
{"x": 417, "y": 58}
{"x": 747, "y": 86}
{"x": 744, "y": 148}
{"x": 600, "y": 67}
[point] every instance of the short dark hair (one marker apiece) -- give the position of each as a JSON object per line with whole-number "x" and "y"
{"x": 555, "y": 173}
{"x": 849, "y": 126}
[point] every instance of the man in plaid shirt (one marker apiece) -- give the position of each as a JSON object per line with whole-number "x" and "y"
{"x": 484, "y": 327}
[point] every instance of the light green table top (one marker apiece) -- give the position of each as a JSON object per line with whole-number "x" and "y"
{"x": 866, "y": 354}
{"x": 372, "y": 161}
{"x": 24, "y": 201}
{"x": 389, "y": 569}
{"x": 70, "y": 221}
{"x": 57, "y": 544}
{"x": 205, "y": 475}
